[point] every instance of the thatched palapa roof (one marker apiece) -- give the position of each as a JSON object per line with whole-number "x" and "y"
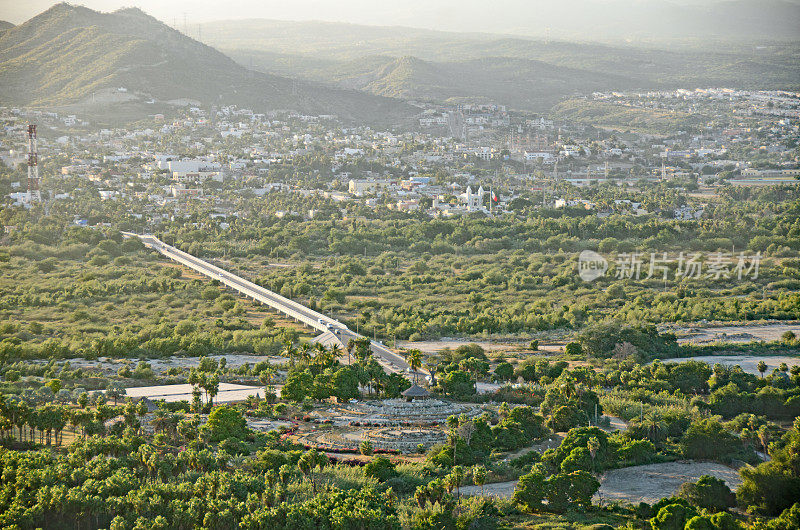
{"x": 416, "y": 391}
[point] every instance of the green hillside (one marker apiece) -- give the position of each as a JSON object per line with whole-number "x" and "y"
{"x": 68, "y": 53}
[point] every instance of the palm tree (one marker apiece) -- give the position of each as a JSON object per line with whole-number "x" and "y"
{"x": 457, "y": 473}
{"x": 61, "y": 414}
{"x": 115, "y": 391}
{"x": 212, "y": 388}
{"x": 362, "y": 350}
{"x": 376, "y": 374}
{"x": 80, "y": 419}
{"x": 21, "y": 416}
{"x": 289, "y": 351}
{"x": 266, "y": 376}
{"x": 762, "y": 367}
{"x": 655, "y": 425}
{"x": 309, "y": 462}
{"x": 415, "y": 361}
{"x": 160, "y": 421}
{"x": 479, "y": 476}
{"x": 349, "y": 348}
{"x": 568, "y": 388}
{"x": 324, "y": 356}
{"x": 305, "y": 355}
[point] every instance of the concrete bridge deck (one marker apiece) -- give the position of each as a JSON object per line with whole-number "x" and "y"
{"x": 332, "y": 330}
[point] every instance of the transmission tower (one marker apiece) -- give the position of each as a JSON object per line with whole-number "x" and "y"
{"x": 34, "y": 194}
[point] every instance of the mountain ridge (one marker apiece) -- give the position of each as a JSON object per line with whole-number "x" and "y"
{"x": 67, "y": 53}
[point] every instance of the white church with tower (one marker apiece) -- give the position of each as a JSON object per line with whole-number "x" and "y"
{"x": 473, "y": 201}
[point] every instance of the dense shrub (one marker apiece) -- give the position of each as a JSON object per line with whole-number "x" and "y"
{"x": 708, "y": 439}
{"x": 380, "y": 468}
{"x": 709, "y": 493}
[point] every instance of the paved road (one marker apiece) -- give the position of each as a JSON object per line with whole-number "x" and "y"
{"x": 391, "y": 361}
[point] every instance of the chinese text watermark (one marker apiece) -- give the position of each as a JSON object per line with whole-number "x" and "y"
{"x": 665, "y": 266}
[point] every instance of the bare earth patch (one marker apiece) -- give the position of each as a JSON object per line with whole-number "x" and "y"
{"x": 710, "y": 334}
{"x": 649, "y": 483}
{"x": 748, "y": 363}
{"x": 653, "y": 482}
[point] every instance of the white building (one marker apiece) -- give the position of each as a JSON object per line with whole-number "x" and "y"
{"x": 361, "y": 187}
{"x": 473, "y": 202}
{"x": 545, "y": 157}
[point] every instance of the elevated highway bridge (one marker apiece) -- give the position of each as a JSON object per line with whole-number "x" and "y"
{"x": 332, "y": 330}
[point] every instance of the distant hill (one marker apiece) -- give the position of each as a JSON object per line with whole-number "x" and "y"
{"x": 70, "y": 54}
{"x": 519, "y": 83}
{"x": 522, "y": 73}
{"x": 660, "y": 22}
{"x": 4, "y": 25}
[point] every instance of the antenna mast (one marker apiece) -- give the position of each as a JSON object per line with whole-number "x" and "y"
{"x": 34, "y": 194}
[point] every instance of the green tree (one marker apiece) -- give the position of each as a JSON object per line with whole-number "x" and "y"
{"x": 479, "y": 476}
{"x": 226, "y": 422}
{"x": 54, "y": 385}
{"x": 673, "y": 517}
{"x": 458, "y": 384}
{"x": 298, "y": 385}
{"x": 365, "y": 448}
{"x": 380, "y": 468}
{"x": 308, "y": 464}
{"x": 762, "y": 367}
{"x": 345, "y": 384}
{"x": 504, "y": 372}
{"x": 414, "y": 358}
{"x": 773, "y": 486}
{"x": 708, "y": 439}
{"x": 709, "y": 493}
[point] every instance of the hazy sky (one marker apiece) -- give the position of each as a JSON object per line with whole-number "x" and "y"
{"x": 421, "y": 13}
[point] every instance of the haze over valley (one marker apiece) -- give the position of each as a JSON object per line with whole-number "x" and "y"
{"x": 400, "y": 265}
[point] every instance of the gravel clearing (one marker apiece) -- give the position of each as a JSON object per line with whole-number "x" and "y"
{"x": 653, "y": 482}
{"x": 649, "y": 483}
